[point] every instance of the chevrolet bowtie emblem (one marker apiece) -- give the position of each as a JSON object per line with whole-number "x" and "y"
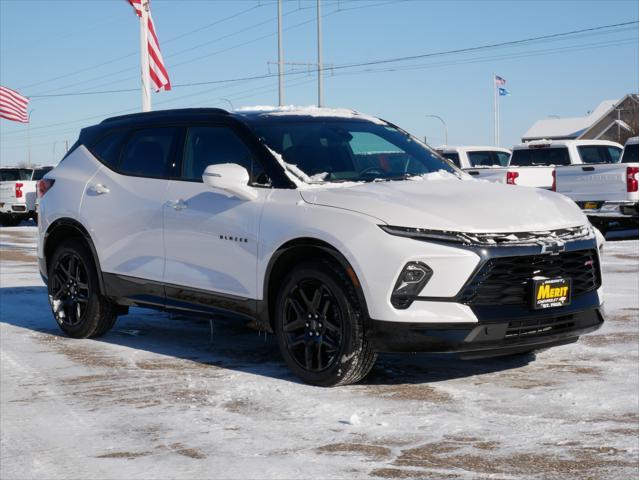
{"x": 554, "y": 248}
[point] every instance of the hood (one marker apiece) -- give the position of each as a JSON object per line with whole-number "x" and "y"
{"x": 453, "y": 205}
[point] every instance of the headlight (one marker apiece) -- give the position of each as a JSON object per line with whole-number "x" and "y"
{"x": 424, "y": 234}
{"x": 414, "y": 276}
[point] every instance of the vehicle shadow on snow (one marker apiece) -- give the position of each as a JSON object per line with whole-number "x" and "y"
{"x": 230, "y": 344}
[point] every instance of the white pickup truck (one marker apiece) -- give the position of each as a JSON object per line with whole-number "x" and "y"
{"x": 18, "y": 190}
{"x": 532, "y": 164}
{"x": 485, "y": 163}
{"x": 607, "y": 193}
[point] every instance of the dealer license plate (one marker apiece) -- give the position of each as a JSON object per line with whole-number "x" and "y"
{"x": 551, "y": 293}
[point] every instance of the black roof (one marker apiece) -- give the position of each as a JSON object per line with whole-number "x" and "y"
{"x": 177, "y": 113}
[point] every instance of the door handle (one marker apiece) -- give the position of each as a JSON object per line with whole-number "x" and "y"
{"x": 588, "y": 169}
{"x": 472, "y": 172}
{"x": 177, "y": 204}
{"x": 100, "y": 189}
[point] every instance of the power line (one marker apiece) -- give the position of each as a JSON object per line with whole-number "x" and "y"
{"x": 485, "y": 47}
{"x": 368, "y": 63}
{"x": 356, "y": 72}
{"x": 207, "y": 55}
{"x": 129, "y": 55}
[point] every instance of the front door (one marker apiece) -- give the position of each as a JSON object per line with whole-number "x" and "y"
{"x": 211, "y": 238}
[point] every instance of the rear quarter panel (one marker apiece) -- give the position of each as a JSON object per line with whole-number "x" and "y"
{"x": 597, "y": 182}
{"x": 63, "y": 200}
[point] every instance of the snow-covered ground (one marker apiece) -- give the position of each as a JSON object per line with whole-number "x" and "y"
{"x": 158, "y": 398}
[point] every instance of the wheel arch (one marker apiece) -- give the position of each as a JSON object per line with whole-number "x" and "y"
{"x": 291, "y": 253}
{"x": 63, "y": 229}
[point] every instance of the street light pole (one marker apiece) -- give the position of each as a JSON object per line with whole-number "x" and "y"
{"x": 320, "y": 90}
{"x": 444, "y": 124}
{"x": 280, "y": 56}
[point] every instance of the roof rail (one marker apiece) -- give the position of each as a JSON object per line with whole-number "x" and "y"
{"x": 168, "y": 113}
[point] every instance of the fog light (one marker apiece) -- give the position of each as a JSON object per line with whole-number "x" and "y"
{"x": 414, "y": 276}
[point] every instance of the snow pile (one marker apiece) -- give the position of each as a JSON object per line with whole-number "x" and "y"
{"x": 309, "y": 111}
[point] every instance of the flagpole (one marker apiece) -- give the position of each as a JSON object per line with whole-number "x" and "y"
{"x": 144, "y": 57}
{"x": 498, "y": 117}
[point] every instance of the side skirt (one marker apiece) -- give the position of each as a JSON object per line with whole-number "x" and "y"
{"x": 132, "y": 291}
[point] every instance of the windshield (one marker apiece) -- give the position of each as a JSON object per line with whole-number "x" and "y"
{"x": 13, "y": 174}
{"x": 334, "y": 150}
{"x": 631, "y": 153}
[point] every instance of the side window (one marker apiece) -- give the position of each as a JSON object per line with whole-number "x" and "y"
{"x": 215, "y": 146}
{"x": 453, "y": 157}
{"x": 503, "y": 158}
{"x": 38, "y": 173}
{"x": 108, "y": 148}
{"x": 148, "y": 153}
{"x": 615, "y": 154}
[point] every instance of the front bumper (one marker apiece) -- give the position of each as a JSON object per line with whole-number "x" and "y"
{"x": 611, "y": 210}
{"x": 486, "y": 339}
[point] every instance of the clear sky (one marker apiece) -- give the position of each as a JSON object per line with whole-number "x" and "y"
{"x": 50, "y": 47}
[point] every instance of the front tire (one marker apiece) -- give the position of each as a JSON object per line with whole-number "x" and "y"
{"x": 74, "y": 292}
{"x": 319, "y": 326}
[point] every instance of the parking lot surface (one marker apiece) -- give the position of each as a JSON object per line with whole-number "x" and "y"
{"x": 164, "y": 397}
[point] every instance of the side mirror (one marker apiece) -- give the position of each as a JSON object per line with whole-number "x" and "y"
{"x": 230, "y": 178}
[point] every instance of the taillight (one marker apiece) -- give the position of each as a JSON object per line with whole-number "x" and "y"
{"x": 554, "y": 181}
{"x": 632, "y": 184}
{"x": 511, "y": 178}
{"x": 19, "y": 189}
{"x": 44, "y": 185}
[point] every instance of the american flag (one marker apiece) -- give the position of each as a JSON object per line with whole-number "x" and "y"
{"x": 499, "y": 80}
{"x": 13, "y": 106}
{"x": 157, "y": 70}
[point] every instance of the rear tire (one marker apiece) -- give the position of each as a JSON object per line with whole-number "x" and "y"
{"x": 319, "y": 326}
{"x": 74, "y": 292}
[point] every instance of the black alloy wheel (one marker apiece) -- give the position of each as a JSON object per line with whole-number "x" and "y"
{"x": 74, "y": 294}
{"x": 319, "y": 325}
{"x": 313, "y": 325}
{"x": 69, "y": 290}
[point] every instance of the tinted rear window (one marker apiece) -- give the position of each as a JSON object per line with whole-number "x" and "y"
{"x": 599, "y": 153}
{"x": 540, "y": 156}
{"x": 488, "y": 159}
{"x": 631, "y": 153}
{"x": 148, "y": 153}
{"x": 38, "y": 173}
{"x": 13, "y": 174}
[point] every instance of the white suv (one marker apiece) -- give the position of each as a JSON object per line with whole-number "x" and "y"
{"x": 339, "y": 232}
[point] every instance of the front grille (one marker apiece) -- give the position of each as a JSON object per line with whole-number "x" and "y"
{"x": 523, "y": 329}
{"x": 508, "y": 280}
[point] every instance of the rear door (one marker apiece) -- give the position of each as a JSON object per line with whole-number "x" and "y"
{"x": 123, "y": 201}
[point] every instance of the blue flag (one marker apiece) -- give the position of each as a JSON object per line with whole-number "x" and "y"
{"x": 503, "y": 92}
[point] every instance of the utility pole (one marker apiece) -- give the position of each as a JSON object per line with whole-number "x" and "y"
{"x": 280, "y": 55}
{"x": 144, "y": 56}
{"x": 320, "y": 92}
{"x": 496, "y": 115}
{"x": 29, "y": 137}
{"x": 444, "y": 124}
